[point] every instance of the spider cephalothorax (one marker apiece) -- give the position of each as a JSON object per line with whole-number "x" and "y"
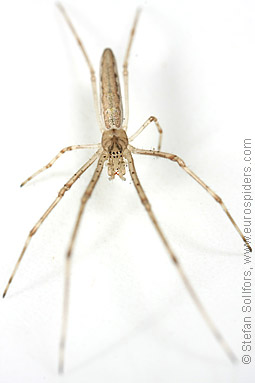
{"x": 114, "y": 142}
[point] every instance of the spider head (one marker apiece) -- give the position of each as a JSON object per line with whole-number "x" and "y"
{"x": 114, "y": 142}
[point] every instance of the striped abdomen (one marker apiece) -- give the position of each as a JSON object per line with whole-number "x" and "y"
{"x": 111, "y": 104}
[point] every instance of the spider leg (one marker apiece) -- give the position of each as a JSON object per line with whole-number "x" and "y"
{"x": 84, "y": 200}
{"x": 175, "y": 260}
{"x": 62, "y": 151}
{"x": 91, "y": 69}
{"x": 147, "y": 122}
{"x": 125, "y": 68}
{"x": 182, "y": 164}
{"x": 61, "y": 193}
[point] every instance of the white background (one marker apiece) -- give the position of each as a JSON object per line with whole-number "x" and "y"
{"x": 131, "y": 319}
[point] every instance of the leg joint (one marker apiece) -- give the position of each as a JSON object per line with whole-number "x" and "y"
{"x": 33, "y": 231}
{"x": 175, "y": 260}
{"x": 180, "y": 162}
{"x": 218, "y": 199}
{"x": 65, "y": 188}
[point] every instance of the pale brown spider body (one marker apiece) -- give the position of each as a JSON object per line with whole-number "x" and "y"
{"x": 114, "y": 138}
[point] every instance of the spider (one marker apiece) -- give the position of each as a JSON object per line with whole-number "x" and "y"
{"x": 116, "y": 152}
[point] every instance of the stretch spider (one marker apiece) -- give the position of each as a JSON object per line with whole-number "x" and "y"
{"x": 116, "y": 152}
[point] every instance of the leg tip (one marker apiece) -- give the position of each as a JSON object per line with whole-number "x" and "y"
{"x": 60, "y": 370}
{"x": 234, "y": 359}
{"x": 5, "y": 291}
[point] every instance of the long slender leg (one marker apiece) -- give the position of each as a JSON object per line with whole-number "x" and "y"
{"x": 186, "y": 281}
{"x": 125, "y": 68}
{"x": 92, "y": 71}
{"x": 62, "y": 151}
{"x": 61, "y": 193}
{"x": 84, "y": 200}
{"x": 147, "y": 122}
{"x": 182, "y": 164}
